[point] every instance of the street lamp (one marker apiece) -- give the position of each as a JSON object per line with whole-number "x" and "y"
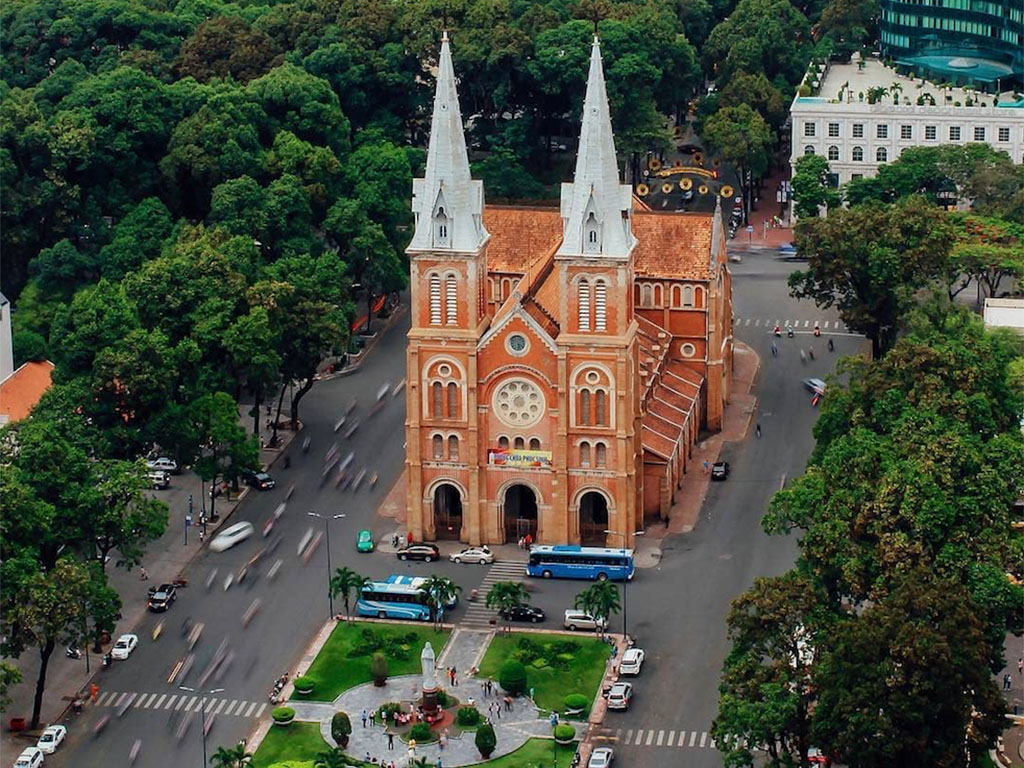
{"x": 202, "y": 712}
{"x": 327, "y": 528}
{"x": 625, "y": 581}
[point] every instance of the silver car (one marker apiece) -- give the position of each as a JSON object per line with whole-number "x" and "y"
{"x": 579, "y": 620}
{"x": 602, "y": 757}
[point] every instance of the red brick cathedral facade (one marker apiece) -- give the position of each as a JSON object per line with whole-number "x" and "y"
{"x": 561, "y": 361}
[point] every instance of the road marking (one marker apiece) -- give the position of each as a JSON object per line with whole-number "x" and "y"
{"x": 170, "y": 701}
{"x": 693, "y": 738}
{"x": 260, "y": 710}
{"x": 703, "y": 739}
{"x": 220, "y": 706}
{"x": 682, "y": 739}
{"x": 159, "y": 701}
{"x": 650, "y": 737}
{"x": 102, "y": 700}
{"x": 671, "y": 738}
{"x": 639, "y": 736}
{"x": 806, "y": 323}
{"x": 209, "y": 706}
{"x": 188, "y": 707}
{"x": 145, "y": 700}
{"x": 629, "y": 736}
{"x": 121, "y": 698}
{"x": 180, "y": 703}
{"x": 250, "y": 710}
{"x": 231, "y": 706}
{"x": 661, "y": 737}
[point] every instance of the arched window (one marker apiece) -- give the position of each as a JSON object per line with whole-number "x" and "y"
{"x": 584, "y": 406}
{"x": 659, "y": 296}
{"x": 698, "y": 296}
{"x": 453, "y": 400}
{"x": 833, "y": 153}
{"x": 881, "y": 155}
{"x": 534, "y": 444}
{"x": 600, "y": 293}
{"x": 519, "y": 444}
{"x": 584, "y": 305}
{"x": 435, "y": 299}
{"x": 687, "y": 295}
{"x": 438, "y": 442}
{"x": 858, "y": 154}
{"x": 808, "y": 150}
{"x": 584, "y": 454}
{"x": 438, "y": 399}
{"x": 503, "y": 443}
{"x": 600, "y": 415}
{"x": 451, "y": 300}
{"x": 453, "y": 448}
{"x": 590, "y": 239}
{"x": 493, "y": 286}
{"x": 600, "y": 455}
{"x": 677, "y": 296}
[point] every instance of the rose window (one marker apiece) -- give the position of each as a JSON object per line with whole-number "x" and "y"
{"x": 519, "y": 403}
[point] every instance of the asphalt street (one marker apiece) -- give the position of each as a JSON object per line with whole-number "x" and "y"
{"x": 677, "y": 610}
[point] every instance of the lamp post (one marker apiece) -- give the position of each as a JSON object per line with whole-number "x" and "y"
{"x": 202, "y": 713}
{"x": 327, "y": 529}
{"x": 625, "y": 634}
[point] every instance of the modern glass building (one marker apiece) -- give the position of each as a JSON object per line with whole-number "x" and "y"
{"x": 965, "y": 42}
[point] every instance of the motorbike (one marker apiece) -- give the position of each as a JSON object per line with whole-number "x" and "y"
{"x": 789, "y": 332}
{"x": 817, "y": 330}
{"x": 778, "y": 331}
{"x": 73, "y": 652}
{"x": 107, "y": 659}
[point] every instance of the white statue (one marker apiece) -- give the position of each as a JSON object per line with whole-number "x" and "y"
{"x": 427, "y": 663}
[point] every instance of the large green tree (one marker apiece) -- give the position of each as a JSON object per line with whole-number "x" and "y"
{"x": 813, "y": 192}
{"x": 740, "y": 136}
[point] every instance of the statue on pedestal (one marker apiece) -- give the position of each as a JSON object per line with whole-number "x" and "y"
{"x": 430, "y": 686}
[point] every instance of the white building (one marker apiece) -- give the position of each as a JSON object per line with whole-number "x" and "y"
{"x": 856, "y": 136}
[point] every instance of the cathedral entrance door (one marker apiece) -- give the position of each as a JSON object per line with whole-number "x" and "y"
{"x": 447, "y": 512}
{"x": 520, "y": 513}
{"x": 593, "y": 519}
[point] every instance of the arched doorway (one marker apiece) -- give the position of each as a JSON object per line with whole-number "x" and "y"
{"x": 447, "y": 512}
{"x": 593, "y": 519}
{"x": 520, "y": 513}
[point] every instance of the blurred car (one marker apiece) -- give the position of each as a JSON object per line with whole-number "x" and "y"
{"x": 481, "y": 555}
{"x": 163, "y": 464}
{"x": 364, "y": 541}
{"x": 51, "y": 738}
{"x": 124, "y": 646}
{"x": 160, "y": 598}
{"x": 814, "y": 386}
{"x": 30, "y": 757}
{"x": 620, "y": 696}
{"x": 789, "y": 252}
{"x": 631, "y": 662}
{"x": 602, "y": 757}
{"x": 160, "y": 479}
{"x": 231, "y": 536}
{"x": 259, "y": 480}
{"x": 419, "y": 551}
{"x": 574, "y": 620}
{"x": 523, "y": 613}
{"x": 720, "y": 470}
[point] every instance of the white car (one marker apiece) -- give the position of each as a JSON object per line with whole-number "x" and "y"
{"x": 631, "y": 662}
{"x": 163, "y": 464}
{"x": 31, "y": 757}
{"x": 620, "y": 696}
{"x": 124, "y": 646}
{"x": 51, "y": 738}
{"x": 579, "y": 620}
{"x": 234, "y": 534}
{"x": 601, "y": 757}
{"x": 480, "y": 555}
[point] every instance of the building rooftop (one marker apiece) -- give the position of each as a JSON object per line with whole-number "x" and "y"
{"x": 20, "y": 391}
{"x": 1005, "y": 313}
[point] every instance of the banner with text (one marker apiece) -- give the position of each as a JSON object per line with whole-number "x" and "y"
{"x": 512, "y": 458}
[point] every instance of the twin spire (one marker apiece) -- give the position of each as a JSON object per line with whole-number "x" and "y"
{"x": 448, "y": 203}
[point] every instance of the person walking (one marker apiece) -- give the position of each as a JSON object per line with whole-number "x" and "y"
{"x": 757, "y": 429}
{"x": 775, "y": 349}
{"x": 365, "y": 716}
{"x": 143, "y": 574}
{"x": 373, "y": 717}
{"x": 707, "y": 466}
{"x": 1007, "y": 682}
{"x": 1020, "y": 666}
{"x": 391, "y": 740}
{"x": 94, "y": 692}
{"x": 831, "y": 345}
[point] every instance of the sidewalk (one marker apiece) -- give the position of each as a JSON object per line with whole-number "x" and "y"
{"x": 764, "y": 235}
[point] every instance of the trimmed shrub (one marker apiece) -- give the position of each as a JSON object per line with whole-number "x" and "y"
{"x": 468, "y": 716}
{"x": 485, "y": 740}
{"x": 283, "y": 715}
{"x": 386, "y": 712}
{"x": 576, "y": 701}
{"x": 564, "y": 733}
{"x": 512, "y": 677}
{"x": 341, "y": 728}
{"x": 421, "y": 733}
{"x": 379, "y": 669}
{"x": 305, "y": 684}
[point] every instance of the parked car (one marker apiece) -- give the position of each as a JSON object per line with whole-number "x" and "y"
{"x": 163, "y": 464}
{"x": 234, "y": 534}
{"x": 364, "y": 541}
{"x": 602, "y": 757}
{"x": 160, "y": 598}
{"x": 579, "y": 620}
{"x": 51, "y": 738}
{"x": 160, "y": 479}
{"x": 481, "y": 555}
{"x": 620, "y": 696}
{"x": 419, "y": 551}
{"x": 524, "y": 613}
{"x": 124, "y": 646}
{"x": 720, "y": 470}
{"x": 30, "y": 757}
{"x": 631, "y": 662}
{"x": 259, "y": 480}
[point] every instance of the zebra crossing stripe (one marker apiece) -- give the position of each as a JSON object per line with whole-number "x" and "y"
{"x": 159, "y": 701}
{"x": 170, "y": 701}
{"x": 259, "y": 711}
{"x": 670, "y": 739}
{"x": 102, "y": 700}
{"x": 220, "y": 706}
{"x": 661, "y": 737}
{"x": 639, "y": 736}
{"x": 120, "y": 698}
{"x": 703, "y": 739}
{"x": 252, "y": 707}
{"x": 629, "y": 736}
{"x": 650, "y": 738}
{"x": 188, "y": 707}
{"x": 693, "y": 738}
{"x": 231, "y": 707}
{"x": 180, "y": 703}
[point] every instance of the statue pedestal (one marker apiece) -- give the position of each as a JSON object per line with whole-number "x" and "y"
{"x": 430, "y": 707}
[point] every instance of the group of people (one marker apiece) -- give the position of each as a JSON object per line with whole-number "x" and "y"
{"x": 526, "y": 542}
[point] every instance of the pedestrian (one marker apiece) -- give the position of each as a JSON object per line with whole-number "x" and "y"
{"x": 394, "y": 540}
{"x": 391, "y": 740}
{"x": 1007, "y": 682}
{"x": 408, "y": 538}
{"x": 775, "y": 349}
{"x": 757, "y": 429}
{"x": 365, "y": 717}
{"x": 143, "y": 575}
{"x": 373, "y": 717}
{"x": 94, "y": 692}
{"x": 707, "y": 466}
{"x": 1020, "y": 666}
{"x": 438, "y": 761}
{"x": 831, "y": 345}
{"x": 367, "y": 759}
{"x": 508, "y": 701}
{"x": 443, "y": 739}
{"x": 202, "y": 534}
{"x": 520, "y": 542}
{"x": 529, "y": 541}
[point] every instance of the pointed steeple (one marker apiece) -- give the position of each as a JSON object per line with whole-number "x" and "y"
{"x": 447, "y": 203}
{"x": 596, "y": 208}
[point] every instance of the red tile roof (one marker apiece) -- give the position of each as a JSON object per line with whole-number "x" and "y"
{"x": 519, "y": 235}
{"x": 676, "y": 246}
{"x": 20, "y": 391}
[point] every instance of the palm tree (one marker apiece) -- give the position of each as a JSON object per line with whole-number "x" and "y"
{"x": 344, "y": 582}
{"x": 600, "y": 600}
{"x": 505, "y": 596}
{"x": 439, "y": 591}
{"x": 235, "y": 757}
{"x": 333, "y": 758}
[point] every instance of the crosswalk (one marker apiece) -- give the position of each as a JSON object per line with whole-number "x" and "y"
{"x": 181, "y": 703}
{"x": 653, "y": 737}
{"x": 800, "y": 326}
{"x": 477, "y": 613}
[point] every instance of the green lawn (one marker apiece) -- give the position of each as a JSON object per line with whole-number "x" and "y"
{"x": 336, "y": 669}
{"x": 535, "y": 753}
{"x": 585, "y": 659}
{"x": 297, "y": 741}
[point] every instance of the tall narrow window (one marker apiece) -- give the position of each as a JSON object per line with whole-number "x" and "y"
{"x": 687, "y": 295}
{"x": 438, "y": 442}
{"x": 584, "y": 305}
{"x": 534, "y": 444}
{"x": 600, "y": 455}
{"x": 503, "y": 443}
{"x": 600, "y": 415}
{"x": 600, "y": 310}
{"x": 453, "y": 401}
{"x": 435, "y": 299}
{"x": 584, "y": 406}
{"x": 519, "y": 444}
{"x": 590, "y": 238}
{"x": 584, "y": 454}
{"x": 441, "y": 225}
{"x": 438, "y": 397}
{"x": 453, "y": 448}
{"x": 451, "y": 300}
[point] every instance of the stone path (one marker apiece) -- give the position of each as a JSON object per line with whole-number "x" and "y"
{"x": 464, "y": 649}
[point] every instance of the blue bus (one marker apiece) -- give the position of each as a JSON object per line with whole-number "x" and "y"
{"x": 417, "y": 582}
{"x": 392, "y": 601}
{"x": 571, "y": 562}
